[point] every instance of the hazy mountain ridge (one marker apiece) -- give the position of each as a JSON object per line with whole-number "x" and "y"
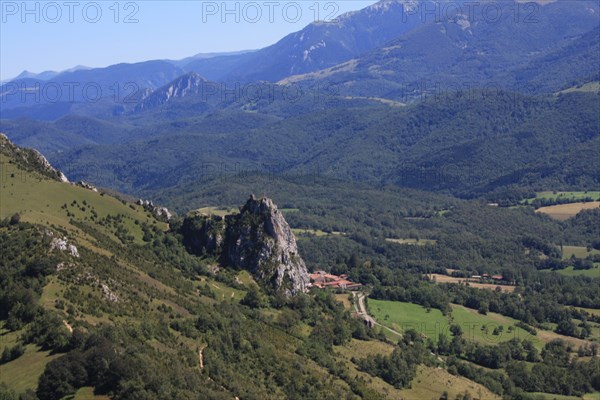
{"x": 187, "y": 85}
{"x": 392, "y": 49}
{"x": 440, "y": 66}
{"x": 97, "y": 88}
{"x": 468, "y": 145}
{"x": 324, "y": 44}
{"x": 464, "y": 52}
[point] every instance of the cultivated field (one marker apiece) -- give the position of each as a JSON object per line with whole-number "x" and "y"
{"x": 439, "y": 278}
{"x": 476, "y": 327}
{"x": 571, "y": 196}
{"x": 570, "y": 271}
{"x": 86, "y": 393}
{"x": 415, "y": 242}
{"x": 315, "y": 232}
{"x": 401, "y": 315}
{"x": 578, "y": 251}
{"x": 563, "y": 212}
{"x": 590, "y": 310}
{"x": 343, "y": 298}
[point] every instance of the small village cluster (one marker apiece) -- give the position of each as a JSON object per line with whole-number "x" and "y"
{"x": 322, "y": 280}
{"x": 496, "y": 278}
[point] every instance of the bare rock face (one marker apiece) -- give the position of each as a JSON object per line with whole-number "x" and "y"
{"x": 258, "y": 239}
{"x": 30, "y": 159}
{"x": 62, "y": 244}
{"x": 161, "y": 213}
{"x": 87, "y": 186}
{"x": 186, "y": 85}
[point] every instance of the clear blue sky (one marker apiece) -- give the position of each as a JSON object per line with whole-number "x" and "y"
{"x": 57, "y": 35}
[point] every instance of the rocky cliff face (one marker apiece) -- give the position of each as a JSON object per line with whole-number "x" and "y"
{"x": 185, "y": 85}
{"x": 161, "y": 213}
{"x": 258, "y": 239}
{"x": 30, "y": 159}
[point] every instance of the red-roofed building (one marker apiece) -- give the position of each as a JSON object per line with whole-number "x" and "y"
{"x": 322, "y": 280}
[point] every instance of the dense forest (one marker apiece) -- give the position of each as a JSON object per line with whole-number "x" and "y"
{"x": 499, "y": 145}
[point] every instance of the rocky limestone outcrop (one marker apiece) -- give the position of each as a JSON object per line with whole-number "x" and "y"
{"x": 30, "y": 159}
{"x": 186, "y": 85}
{"x": 62, "y": 244}
{"x": 258, "y": 239}
{"x": 87, "y": 186}
{"x": 160, "y": 213}
{"x": 41, "y": 160}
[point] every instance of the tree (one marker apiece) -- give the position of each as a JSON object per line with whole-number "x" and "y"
{"x": 556, "y": 353}
{"x": 288, "y": 318}
{"x": 443, "y": 345}
{"x": 62, "y": 376}
{"x": 483, "y": 308}
{"x": 12, "y": 353}
{"x": 252, "y": 298}
{"x": 567, "y": 327}
{"x": 15, "y": 219}
{"x": 456, "y": 330}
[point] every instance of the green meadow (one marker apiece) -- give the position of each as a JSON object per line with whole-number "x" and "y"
{"x": 477, "y": 327}
{"x": 42, "y": 201}
{"x": 571, "y": 196}
{"x": 592, "y": 273}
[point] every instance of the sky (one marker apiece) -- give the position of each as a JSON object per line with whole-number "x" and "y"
{"x": 58, "y": 35}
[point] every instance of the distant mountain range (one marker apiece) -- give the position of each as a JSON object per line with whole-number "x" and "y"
{"x": 100, "y": 91}
{"x": 392, "y": 49}
{"x": 47, "y": 75}
{"x": 556, "y": 50}
{"x": 325, "y": 44}
{"x": 43, "y": 76}
{"x": 460, "y": 104}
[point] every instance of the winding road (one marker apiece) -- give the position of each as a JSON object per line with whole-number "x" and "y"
{"x": 361, "y": 309}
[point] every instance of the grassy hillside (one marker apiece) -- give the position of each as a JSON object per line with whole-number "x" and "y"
{"x": 41, "y": 201}
{"x": 101, "y": 320}
{"x": 131, "y": 298}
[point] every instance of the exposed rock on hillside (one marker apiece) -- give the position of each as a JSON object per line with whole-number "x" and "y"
{"x": 185, "y": 85}
{"x": 30, "y": 159}
{"x": 62, "y": 244}
{"x": 87, "y": 186}
{"x": 258, "y": 239}
{"x": 161, "y": 213}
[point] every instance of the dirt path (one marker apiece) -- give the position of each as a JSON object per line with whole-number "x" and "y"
{"x": 361, "y": 309}
{"x": 68, "y": 326}
{"x": 201, "y": 357}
